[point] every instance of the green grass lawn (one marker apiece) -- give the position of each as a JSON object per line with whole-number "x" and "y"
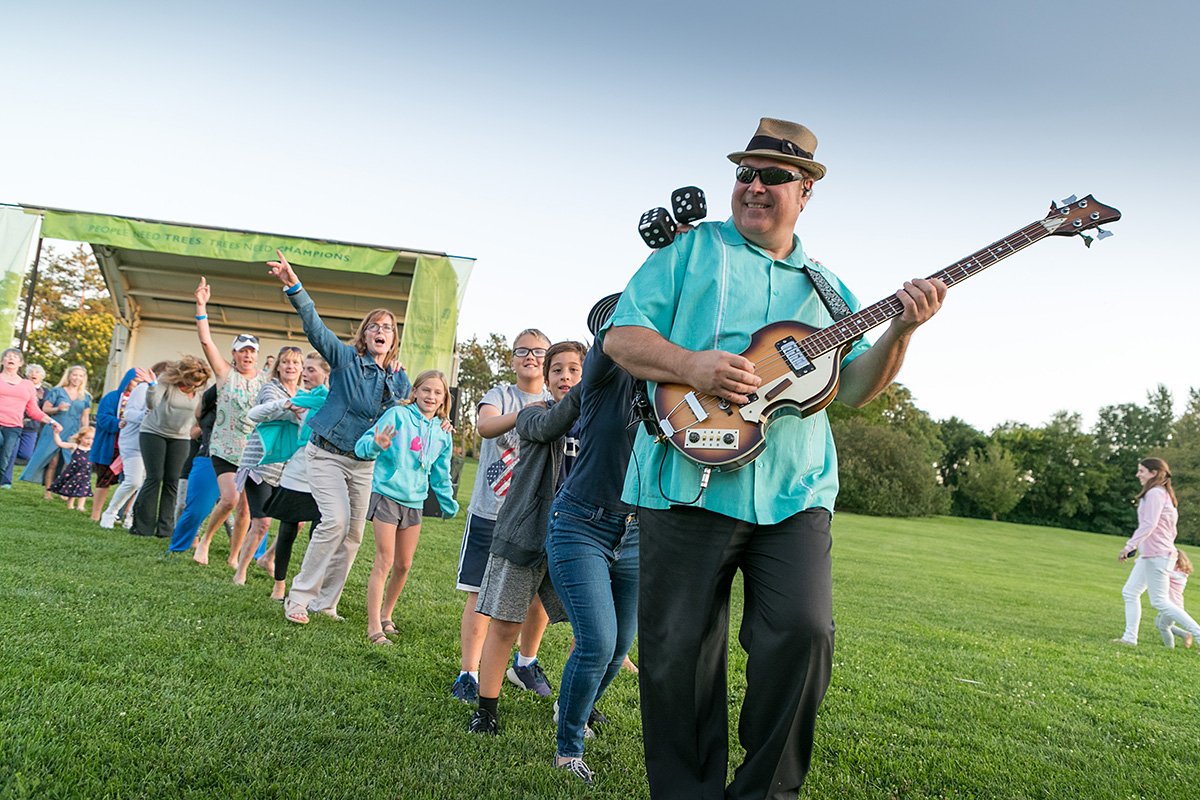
{"x": 973, "y": 661}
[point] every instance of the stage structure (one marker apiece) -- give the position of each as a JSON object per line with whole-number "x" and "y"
{"x": 152, "y": 268}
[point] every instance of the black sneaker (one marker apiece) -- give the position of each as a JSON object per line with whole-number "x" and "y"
{"x": 483, "y": 721}
{"x": 596, "y": 720}
{"x": 580, "y": 770}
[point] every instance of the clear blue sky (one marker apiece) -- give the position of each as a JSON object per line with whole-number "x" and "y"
{"x": 532, "y": 136}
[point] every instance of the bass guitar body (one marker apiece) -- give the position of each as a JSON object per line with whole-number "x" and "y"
{"x": 723, "y": 436}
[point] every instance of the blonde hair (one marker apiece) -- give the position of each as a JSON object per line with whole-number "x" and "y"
{"x": 1161, "y": 477}
{"x": 287, "y": 348}
{"x": 1183, "y": 563}
{"x": 531, "y": 332}
{"x": 359, "y": 342}
{"x": 430, "y": 374}
{"x": 320, "y": 359}
{"x": 86, "y": 430}
{"x": 66, "y": 376}
{"x": 187, "y": 373}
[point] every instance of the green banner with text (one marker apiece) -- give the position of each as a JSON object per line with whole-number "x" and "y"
{"x": 431, "y": 317}
{"x": 186, "y": 240}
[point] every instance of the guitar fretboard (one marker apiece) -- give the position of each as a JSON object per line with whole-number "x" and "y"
{"x": 878, "y": 313}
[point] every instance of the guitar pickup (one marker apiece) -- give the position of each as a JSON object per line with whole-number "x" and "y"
{"x": 793, "y": 356}
{"x": 711, "y": 439}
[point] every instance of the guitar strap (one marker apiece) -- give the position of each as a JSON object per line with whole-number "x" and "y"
{"x": 834, "y": 304}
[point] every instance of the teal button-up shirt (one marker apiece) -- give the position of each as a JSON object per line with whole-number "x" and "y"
{"x": 712, "y": 290}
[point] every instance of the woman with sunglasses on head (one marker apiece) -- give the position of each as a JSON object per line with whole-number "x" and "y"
{"x": 166, "y": 431}
{"x": 256, "y": 479}
{"x": 365, "y": 381}
{"x": 238, "y": 384}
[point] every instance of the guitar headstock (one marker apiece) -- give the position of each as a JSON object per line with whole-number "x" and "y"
{"x": 1075, "y": 215}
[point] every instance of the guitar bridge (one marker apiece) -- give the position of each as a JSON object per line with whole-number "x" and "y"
{"x": 711, "y": 439}
{"x": 797, "y": 362}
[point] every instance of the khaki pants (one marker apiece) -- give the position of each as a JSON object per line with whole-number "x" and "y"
{"x": 341, "y": 487}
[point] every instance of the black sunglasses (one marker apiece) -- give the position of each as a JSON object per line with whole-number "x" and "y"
{"x": 770, "y": 176}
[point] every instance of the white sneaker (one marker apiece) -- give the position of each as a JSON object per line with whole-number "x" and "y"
{"x": 107, "y": 522}
{"x": 129, "y": 522}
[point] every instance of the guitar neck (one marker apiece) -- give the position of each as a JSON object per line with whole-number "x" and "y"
{"x": 853, "y": 326}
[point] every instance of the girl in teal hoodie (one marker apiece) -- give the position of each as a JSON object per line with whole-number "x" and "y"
{"x": 412, "y": 455}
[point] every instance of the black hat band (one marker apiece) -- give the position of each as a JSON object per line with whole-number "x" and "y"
{"x": 781, "y": 145}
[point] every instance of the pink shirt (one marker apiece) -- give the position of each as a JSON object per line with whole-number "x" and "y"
{"x": 17, "y": 400}
{"x": 1155, "y": 534}
{"x": 1178, "y": 582}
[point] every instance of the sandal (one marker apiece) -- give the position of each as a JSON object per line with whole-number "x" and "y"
{"x": 379, "y": 638}
{"x": 389, "y": 627}
{"x": 332, "y": 614}
{"x": 295, "y": 613}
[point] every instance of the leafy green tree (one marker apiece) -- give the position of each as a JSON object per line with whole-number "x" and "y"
{"x": 1183, "y": 454}
{"x": 71, "y": 320}
{"x": 992, "y": 480}
{"x": 1127, "y": 433}
{"x": 481, "y": 366}
{"x": 1067, "y": 467}
{"x": 886, "y": 471}
{"x": 958, "y": 439}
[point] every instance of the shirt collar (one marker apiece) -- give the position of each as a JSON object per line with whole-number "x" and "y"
{"x": 732, "y": 236}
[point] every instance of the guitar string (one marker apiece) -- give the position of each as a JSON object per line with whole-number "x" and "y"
{"x": 829, "y": 338}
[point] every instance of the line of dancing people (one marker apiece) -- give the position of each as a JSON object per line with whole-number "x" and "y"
{"x": 338, "y": 436}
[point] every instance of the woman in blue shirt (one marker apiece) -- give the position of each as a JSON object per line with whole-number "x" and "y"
{"x": 365, "y": 381}
{"x": 70, "y": 405}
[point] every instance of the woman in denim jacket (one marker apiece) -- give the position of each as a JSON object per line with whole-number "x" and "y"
{"x": 365, "y": 381}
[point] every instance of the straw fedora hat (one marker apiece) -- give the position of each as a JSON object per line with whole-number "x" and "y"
{"x": 785, "y": 141}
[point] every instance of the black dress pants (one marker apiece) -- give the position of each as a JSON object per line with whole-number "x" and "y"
{"x": 688, "y": 560}
{"x": 154, "y": 509}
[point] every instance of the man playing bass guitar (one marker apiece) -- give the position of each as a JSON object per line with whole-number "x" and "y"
{"x": 683, "y": 318}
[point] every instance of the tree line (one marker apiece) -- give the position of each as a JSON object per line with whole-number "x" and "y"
{"x": 895, "y": 460}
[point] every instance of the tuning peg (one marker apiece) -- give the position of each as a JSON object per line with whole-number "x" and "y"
{"x": 1087, "y": 240}
{"x": 1068, "y": 200}
{"x": 1102, "y": 234}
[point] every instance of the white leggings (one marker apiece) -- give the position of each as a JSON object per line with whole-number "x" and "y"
{"x": 134, "y": 473}
{"x": 1152, "y": 575}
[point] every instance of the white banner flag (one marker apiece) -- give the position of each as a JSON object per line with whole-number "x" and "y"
{"x": 18, "y": 237}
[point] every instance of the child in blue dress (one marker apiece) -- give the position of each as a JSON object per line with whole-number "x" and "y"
{"x": 412, "y": 454}
{"x": 75, "y": 481}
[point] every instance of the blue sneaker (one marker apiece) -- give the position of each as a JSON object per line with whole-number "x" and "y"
{"x": 531, "y": 678}
{"x": 466, "y": 688}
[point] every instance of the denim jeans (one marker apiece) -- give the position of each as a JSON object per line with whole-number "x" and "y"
{"x": 9, "y": 439}
{"x": 593, "y": 559}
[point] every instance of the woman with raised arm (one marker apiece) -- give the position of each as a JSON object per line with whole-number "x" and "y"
{"x": 71, "y": 406}
{"x": 365, "y": 381}
{"x": 238, "y": 384}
